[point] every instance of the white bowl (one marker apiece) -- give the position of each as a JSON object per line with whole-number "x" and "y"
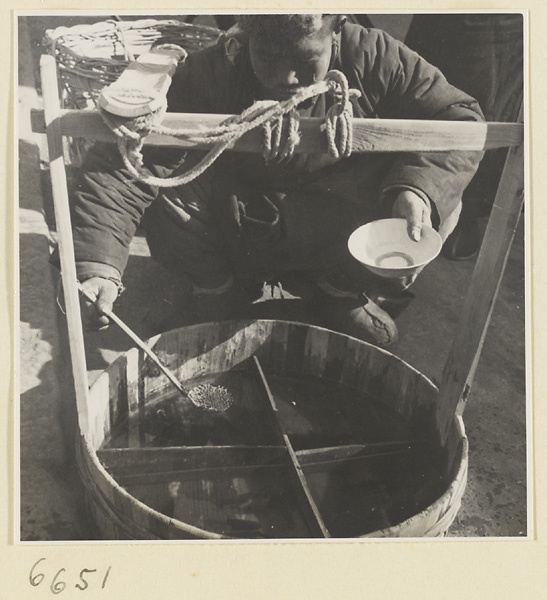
{"x": 385, "y": 248}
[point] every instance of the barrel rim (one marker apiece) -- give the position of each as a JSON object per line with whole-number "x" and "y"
{"x": 154, "y": 339}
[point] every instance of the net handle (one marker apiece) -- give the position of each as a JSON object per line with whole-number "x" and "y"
{"x": 137, "y": 340}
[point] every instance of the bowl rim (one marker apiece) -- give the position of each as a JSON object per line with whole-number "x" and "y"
{"x": 435, "y": 234}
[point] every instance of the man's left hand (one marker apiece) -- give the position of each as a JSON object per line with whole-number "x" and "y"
{"x": 408, "y": 205}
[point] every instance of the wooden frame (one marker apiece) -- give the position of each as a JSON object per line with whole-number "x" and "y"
{"x": 369, "y": 136}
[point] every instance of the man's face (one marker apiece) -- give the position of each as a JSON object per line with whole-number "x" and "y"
{"x": 283, "y": 70}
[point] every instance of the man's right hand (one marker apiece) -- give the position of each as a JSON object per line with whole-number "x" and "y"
{"x": 106, "y": 292}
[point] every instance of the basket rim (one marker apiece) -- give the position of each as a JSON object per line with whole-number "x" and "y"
{"x": 85, "y": 30}
{"x": 109, "y": 44}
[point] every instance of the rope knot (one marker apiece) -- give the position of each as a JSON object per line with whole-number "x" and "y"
{"x": 130, "y": 134}
{"x": 338, "y": 119}
{"x": 273, "y": 146}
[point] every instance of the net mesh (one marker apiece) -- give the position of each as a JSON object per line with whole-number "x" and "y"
{"x": 211, "y": 397}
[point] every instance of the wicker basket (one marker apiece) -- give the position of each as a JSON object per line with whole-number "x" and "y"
{"x": 90, "y": 57}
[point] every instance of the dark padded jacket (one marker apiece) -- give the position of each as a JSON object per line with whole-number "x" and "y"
{"x": 394, "y": 83}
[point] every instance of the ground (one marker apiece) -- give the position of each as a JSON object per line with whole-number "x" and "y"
{"x": 51, "y": 495}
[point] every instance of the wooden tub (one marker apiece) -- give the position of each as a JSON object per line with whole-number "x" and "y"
{"x": 360, "y": 420}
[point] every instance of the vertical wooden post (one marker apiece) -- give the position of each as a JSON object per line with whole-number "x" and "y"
{"x": 469, "y": 338}
{"x": 52, "y": 111}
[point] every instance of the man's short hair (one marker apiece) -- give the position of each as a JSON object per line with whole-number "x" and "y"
{"x": 285, "y": 28}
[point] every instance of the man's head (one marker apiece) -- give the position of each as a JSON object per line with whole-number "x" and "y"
{"x": 289, "y": 52}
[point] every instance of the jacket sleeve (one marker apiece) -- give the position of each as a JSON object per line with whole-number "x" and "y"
{"x": 400, "y": 84}
{"x": 107, "y": 205}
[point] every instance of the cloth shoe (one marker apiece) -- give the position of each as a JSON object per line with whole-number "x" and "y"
{"x": 356, "y": 315}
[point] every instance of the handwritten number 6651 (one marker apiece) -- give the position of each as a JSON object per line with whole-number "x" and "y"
{"x": 57, "y": 585}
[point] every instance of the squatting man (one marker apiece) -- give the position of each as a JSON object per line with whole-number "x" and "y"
{"x": 247, "y": 220}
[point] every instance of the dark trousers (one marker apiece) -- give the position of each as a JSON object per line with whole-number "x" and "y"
{"x": 213, "y": 229}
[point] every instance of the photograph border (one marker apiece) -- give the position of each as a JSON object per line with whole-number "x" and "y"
{"x": 240, "y": 549}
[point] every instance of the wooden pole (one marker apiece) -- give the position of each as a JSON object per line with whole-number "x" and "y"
{"x": 137, "y": 340}
{"x": 54, "y": 133}
{"x": 369, "y": 135}
{"x": 307, "y": 503}
{"x": 467, "y": 344}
